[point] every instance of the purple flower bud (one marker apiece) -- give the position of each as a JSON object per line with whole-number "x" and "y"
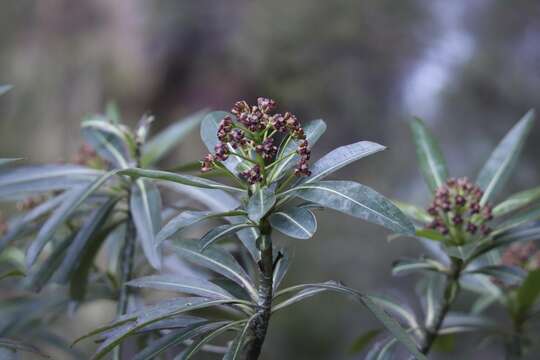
{"x": 266, "y": 104}
{"x": 222, "y": 152}
{"x": 471, "y": 228}
{"x": 460, "y": 200}
{"x": 457, "y": 219}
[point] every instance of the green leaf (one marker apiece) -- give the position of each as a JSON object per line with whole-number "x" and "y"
{"x": 183, "y": 284}
{"x": 11, "y": 273}
{"x": 235, "y": 350}
{"x": 24, "y": 181}
{"x": 341, "y": 157}
{"x": 313, "y": 130}
{"x": 429, "y": 155}
{"x": 188, "y": 218}
{"x": 145, "y": 207}
{"x": 9, "y": 161}
{"x": 508, "y": 274}
{"x": 356, "y": 200}
{"x": 410, "y": 265}
{"x": 79, "y": 278}
{"x": 525, "y": 217}
{"x": 360, "y": 343}
{"x": 374, "y": 305}
{"x": 506, "y": 238}
{"x": 165, "y": 141}
{"x": 178, "y": 178}
{"x": 221, "y": 232}
{"x": 517, "y": 201}
{"x": 5, "y": 88}
{"x": 20, "y": 224}
{"x": 302, "y": 295}
{"x": 84, "y": 236}
{"x": 197, "y": 345}
{"x": 39, "y": 276}
{"x": 280, "y": 270}
{"x": 260, "y": 203}
{"x": 502, "y": 161}
{"x": 19, "y": 346}
{"x": 76, "y": 197}
{"x": 108, "y": 141}
{"x": 296, "y": 222}
{"x": 430, "y": 234}
{"x": 126, "y": 328}
{"x": 414, "y": 212}
{"x": 529, "y": 292}
{"x": 215, "y": 259}
{"x": 174, "y": 338}
{"x": 444, "y": 343}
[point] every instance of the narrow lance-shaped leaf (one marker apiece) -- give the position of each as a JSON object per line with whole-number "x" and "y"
{"x": 145, "y": 207}
{"x": 5, "y": 88}
{"x": 296, "y": 222}
{"x": 529, "y": 292}
{"x": 174, "y": 338}
{"x": 356, "y": 200}
{"x": 178, "y": 178}
{"x": 164, "y": 142}
{"x": 197, "y": 345}
{"x": 374, "y": 305}
{"x": 414, "y": 212}
{"x": 76, "y": 197}
{"x": 17, "y": 226}
{"x": 360, "y": 343}
{"x": 235, "y": 350}
{"x": 27, "y": 180}
{"x": 341, "y": 157}
{"x": 429, "y": 155}
{"x": 188, "y": 218}
{"x": 8, "y": 161}
{"x": 509, "y": 275}
{"x": 410, "y": 265}
{"x": 107, "y": 140}
{"x": 221, "y": 232}
{"x": 183, "y": 284}
{"x": 530, "y": 215}
{"x": 39, "y": 276}
{"x": 85, "y": 235}
{"x": 260, "y": 203}
{"x": 502, "y": 161}
{"x": 215, "y": 259}
{"x": 517, "y": 201}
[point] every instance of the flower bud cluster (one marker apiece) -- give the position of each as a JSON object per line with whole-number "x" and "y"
{"x": 522, "y": 255}
{"x": 252, "y": 128}
{"x": 457, "y": 207}
{"x": 87, "y": 156}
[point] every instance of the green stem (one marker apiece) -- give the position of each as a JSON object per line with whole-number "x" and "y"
{"x": 451, "y": 291}
{"x": 514, "y": 345}
{"x": 259, "y": 324}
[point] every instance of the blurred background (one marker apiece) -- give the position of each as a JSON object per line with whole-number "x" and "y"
{"x": 470, "y": 68}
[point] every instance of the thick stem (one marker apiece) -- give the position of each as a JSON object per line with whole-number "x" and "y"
{"x": 259, "y": 325}
{"x": 451, "y": 291}
{"x": 126, "y": 266}
{"x": 514, "y": 345}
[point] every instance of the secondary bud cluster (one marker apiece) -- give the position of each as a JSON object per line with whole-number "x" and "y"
{"x": 251, "y": 131}
{"x": 87, "y": 156}
{"x": 522, "y": 255}
{"x": 457, "y": 207}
